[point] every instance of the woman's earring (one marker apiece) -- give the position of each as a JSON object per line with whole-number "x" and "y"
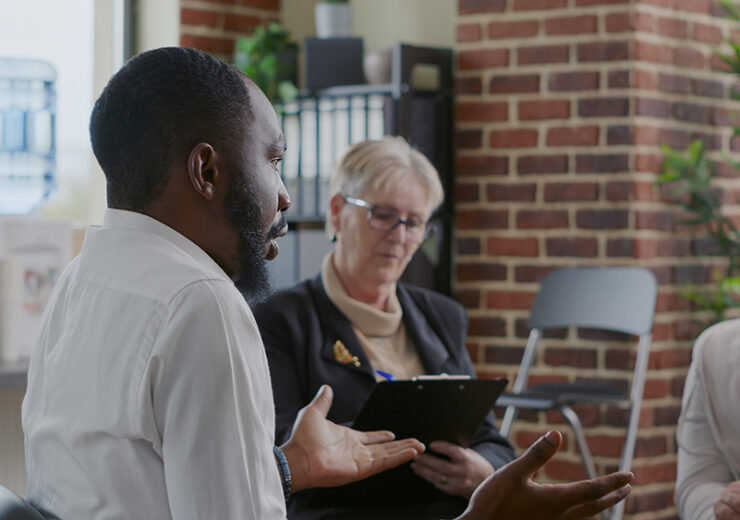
{"x": 334, "y": 237}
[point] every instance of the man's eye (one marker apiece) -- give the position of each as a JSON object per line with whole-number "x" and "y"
{"x": 276, "y": 162}
{"x": 414, "y": 223}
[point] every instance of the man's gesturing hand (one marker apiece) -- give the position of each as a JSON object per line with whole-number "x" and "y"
{"x": 321, "y": 453}
{"x": 510, "y": 493}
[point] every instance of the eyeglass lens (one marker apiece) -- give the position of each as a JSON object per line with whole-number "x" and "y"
{"x": 385, "y": 219}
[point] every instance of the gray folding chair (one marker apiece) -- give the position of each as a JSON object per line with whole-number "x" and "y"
{"x": 13, "y": 507}
{"x": 620, "y": 299}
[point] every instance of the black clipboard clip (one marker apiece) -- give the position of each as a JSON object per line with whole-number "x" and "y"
{"x": 437, "y": 377}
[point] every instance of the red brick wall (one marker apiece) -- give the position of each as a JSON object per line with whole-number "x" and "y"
{"x": 214, "y": 25}
{"x": 561, "y": 107}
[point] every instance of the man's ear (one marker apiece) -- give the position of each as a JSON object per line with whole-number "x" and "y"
{"x": 336, "y": 203}
{"x": 203, "y": 170}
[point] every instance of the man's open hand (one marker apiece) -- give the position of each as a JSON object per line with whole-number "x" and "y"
{"x": 321, "y": 453}
{"x": 510, "y": 493}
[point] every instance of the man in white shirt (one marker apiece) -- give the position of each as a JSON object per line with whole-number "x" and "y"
{"x": 149, "y": 393}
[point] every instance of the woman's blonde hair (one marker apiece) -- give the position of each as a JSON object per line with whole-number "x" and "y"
{"x": 373, "y": 164}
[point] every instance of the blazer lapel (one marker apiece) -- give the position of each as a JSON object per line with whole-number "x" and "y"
{"x": 432, "y": 351}
{"x": 341, "y": 346}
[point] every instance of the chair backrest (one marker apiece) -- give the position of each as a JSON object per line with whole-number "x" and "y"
{"x": 13, "y": 507}
{"x": 619, "y": 299}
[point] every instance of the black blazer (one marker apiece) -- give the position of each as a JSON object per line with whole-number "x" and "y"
{"x": 300, "y": 325}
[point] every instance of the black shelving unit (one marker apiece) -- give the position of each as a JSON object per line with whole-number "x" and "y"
{"x": 319, "y": 126}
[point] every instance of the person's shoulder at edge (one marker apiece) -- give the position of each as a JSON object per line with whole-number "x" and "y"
{"x": 717, "y": 339}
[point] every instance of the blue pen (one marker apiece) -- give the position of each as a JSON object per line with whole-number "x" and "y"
{"x": 383, "y": 373}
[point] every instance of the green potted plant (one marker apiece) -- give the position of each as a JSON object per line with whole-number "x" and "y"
{"x": 268, "y": 57}
{"x": 692, "y": 173}
{"x": 333, "y": 19}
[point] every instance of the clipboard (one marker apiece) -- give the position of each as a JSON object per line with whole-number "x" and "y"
{"x": 449, "y": 408}
{"x": 443, "y": 408}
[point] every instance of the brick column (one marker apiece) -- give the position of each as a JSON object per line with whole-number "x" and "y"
{"x": 214, "y": 25}
{"x": 561, "y": 107}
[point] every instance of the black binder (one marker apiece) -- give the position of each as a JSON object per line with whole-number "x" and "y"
{"x": 435, "y": 408}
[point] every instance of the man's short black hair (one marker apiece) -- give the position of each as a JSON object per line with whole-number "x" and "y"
{"x": 158, "y": 106}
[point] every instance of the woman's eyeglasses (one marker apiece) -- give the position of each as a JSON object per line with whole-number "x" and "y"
{"x": 386, "y": 219}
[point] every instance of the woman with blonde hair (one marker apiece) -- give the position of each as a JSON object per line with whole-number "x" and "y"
{"x": 356, "y": 323}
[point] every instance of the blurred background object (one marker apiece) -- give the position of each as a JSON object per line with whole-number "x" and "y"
{"x": 33, "y": 252}
{"x": 333, "y": 19}
{"x": 27, "y": 134}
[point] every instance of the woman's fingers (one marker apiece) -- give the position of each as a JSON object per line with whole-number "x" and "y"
{"x": 434, "y": 463}
{"x": 453, "y": 451}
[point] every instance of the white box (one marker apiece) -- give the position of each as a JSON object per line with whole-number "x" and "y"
{"x": 33, "y": 253}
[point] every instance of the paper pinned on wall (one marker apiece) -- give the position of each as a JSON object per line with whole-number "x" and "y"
{"x": 32, "y": 255}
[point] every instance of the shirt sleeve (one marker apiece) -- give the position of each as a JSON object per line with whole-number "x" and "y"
{"x": 212, "y": 405}
{"x": 703, "y": 474}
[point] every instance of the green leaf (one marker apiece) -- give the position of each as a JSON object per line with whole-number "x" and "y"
{"x": 731, "y": 9}
{"x": 695, "y": 221}
{"x": 668, "y": 177}
{"x": 287, "y": 91}
{"x": 268, "y": 65}
{"x": 730, "y": 285}
{"x": 696, "y": 150}
{"x": 732, "y": 162}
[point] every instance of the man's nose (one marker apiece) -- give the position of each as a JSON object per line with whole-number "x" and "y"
{"x": 283, "y": 197}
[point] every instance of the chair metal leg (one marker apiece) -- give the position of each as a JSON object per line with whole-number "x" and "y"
{"x": 521, "y": 380}
{"x": 638, "y": 386}
{"x": 617, "y": 512}
{"x": 575, "y": 422}
{"x": 588, "y": 461}
{"x": 508, "y": 420}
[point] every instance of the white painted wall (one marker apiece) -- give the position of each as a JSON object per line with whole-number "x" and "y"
{"x": 158, "y": 24}
{"x": 421, "y": 22}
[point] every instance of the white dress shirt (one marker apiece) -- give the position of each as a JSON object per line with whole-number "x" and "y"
{"x": 148, "y": 392}
{"x": 709, "y": 427}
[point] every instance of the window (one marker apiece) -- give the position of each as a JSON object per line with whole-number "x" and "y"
{"x": 63, "y": 34}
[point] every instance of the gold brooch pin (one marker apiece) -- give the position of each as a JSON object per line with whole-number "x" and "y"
{"x": 343, "y": 355}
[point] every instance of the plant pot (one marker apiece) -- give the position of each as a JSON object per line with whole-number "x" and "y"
{"x": 333, "y": 20}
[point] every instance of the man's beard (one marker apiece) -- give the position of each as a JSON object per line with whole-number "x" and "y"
{"x": 245, "y": 215}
